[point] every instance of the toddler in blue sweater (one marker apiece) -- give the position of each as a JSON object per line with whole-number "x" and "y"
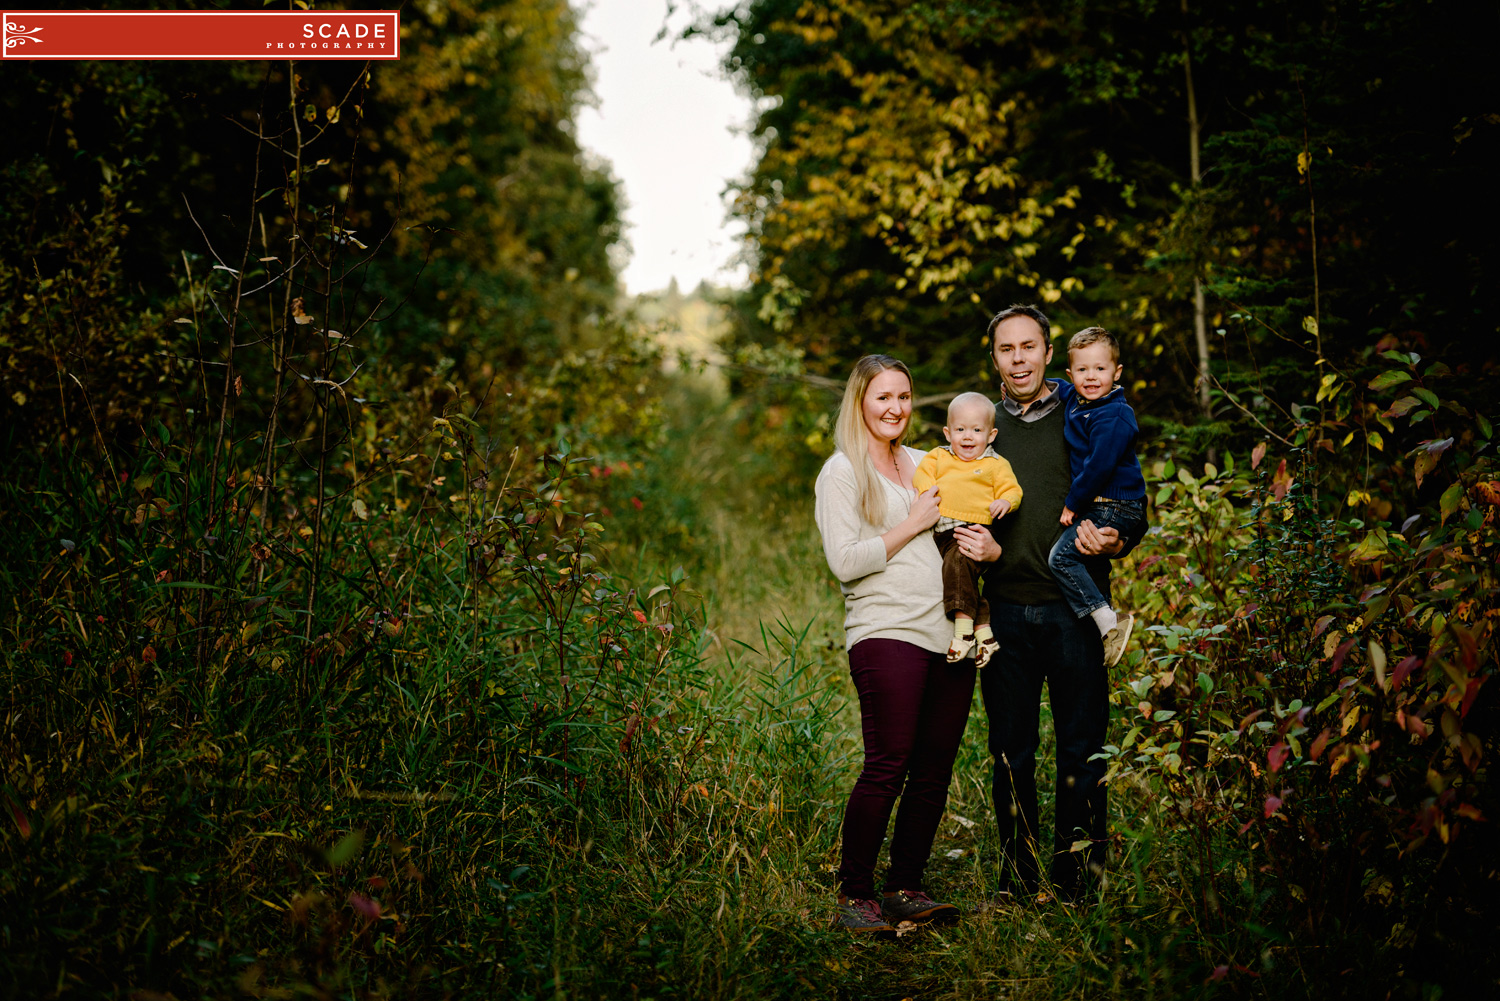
{"x": 1108, "y": 488}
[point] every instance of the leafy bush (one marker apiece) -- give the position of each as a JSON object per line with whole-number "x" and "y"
{"x": 1310, "y": 701}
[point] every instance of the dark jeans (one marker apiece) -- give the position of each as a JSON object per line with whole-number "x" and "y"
{"x": 913, "y": 707}
{"x": 960, "y": 581}
{"x": 1071, "y": 568}
{"x": 1047, "y": 643}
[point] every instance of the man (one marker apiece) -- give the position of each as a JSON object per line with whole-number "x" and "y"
{"x": 1041, "y": 640}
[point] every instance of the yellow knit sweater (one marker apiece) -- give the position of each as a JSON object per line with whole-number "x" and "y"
{"x": 966, "y": 489}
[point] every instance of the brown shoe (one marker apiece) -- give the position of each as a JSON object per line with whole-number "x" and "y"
{"x": 863, "y": 917}
{"x": 916, "y": 907}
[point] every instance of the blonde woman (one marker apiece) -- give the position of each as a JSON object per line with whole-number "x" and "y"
{"x": 877, "y": 536}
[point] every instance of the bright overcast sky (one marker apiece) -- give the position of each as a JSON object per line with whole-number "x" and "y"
{"x": 673, "y": 128}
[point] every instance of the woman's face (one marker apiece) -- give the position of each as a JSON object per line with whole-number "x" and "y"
{"x": 887, "y": 405}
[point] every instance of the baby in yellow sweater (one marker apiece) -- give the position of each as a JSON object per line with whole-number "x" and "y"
{"x": 975, "y": 487}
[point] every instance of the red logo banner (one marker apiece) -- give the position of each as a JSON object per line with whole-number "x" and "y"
{"x": 272, "y": 34}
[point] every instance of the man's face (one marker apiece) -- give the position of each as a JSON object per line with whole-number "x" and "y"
{"x": 1021, "y": 356}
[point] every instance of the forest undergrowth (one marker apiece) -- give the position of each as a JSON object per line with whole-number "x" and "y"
{"x": 614, "y": 767}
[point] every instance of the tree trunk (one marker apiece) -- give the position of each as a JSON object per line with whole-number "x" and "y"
{"x": 1200, "y": 321}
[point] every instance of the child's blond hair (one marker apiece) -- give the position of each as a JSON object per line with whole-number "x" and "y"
{"x": 971, "y": 399}
{"x": 1095, "y": 335}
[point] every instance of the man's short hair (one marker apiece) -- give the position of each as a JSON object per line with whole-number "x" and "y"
{"x": 1095, "y": 335}
{"x": 1019, "y": 310}
{"x": 978, "y": 400}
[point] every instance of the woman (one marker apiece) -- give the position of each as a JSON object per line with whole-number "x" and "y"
{"x": 877, "y": 535}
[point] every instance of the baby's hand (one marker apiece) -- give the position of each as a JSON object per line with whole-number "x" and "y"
{"x": 999, "y": 509}
{"x": 1067, "y": 516}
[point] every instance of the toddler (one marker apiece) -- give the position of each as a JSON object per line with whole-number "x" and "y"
{"x": 1108, "y": 488}
{"x": 975, "y": 486}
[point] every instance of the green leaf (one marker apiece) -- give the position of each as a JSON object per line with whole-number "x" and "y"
{"x": 1163, "y": 495}
{"x": 1484, "y": 425}
{"x": 1375, "y": 609}
{"x": 1328, "y": 701}
{"x": 1372, "y": 547}
{"x": 1386, "y": 380}
{"x": 1169, "y": 470}
{"x": 1162, "y": 715}
{"x": 1427, "y": 396}
{"x": 1205, "y": 682}
{"x": 346, "y": 849}
{"x": 1448, "y": 503}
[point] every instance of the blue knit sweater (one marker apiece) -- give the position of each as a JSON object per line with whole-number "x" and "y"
{"x": 1101, "y": 448}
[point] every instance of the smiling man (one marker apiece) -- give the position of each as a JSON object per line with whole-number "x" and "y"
{"x": 1041, "y": 640}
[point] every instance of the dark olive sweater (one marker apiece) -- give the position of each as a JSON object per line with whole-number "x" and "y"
{"x": 1038, "y": 453}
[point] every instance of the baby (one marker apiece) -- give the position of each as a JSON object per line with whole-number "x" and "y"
{"x": 975, "y": 486}
{"x": 1108, "y": 488}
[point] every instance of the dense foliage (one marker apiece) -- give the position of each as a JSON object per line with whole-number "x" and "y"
{"x": 385, "y": 615}
{"x": 462, "y": 226}
{"x": 925, "y": 164}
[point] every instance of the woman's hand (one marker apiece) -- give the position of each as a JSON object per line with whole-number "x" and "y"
{"x": 924, "y": 510}
{"x": 921, "y": 516}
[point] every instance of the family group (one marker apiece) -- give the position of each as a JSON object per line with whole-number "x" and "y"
{"x": 988, "y": 559}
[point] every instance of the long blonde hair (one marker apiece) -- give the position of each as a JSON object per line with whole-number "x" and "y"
{"x": 853, "y": 438}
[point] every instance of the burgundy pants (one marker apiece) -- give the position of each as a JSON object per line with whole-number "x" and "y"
{"x": 913, "y": 708}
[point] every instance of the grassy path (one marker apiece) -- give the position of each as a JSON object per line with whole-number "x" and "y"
{"x": 759, "y": 565}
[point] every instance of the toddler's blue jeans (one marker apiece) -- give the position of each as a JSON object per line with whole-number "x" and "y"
{"x": 1071, "y": 568}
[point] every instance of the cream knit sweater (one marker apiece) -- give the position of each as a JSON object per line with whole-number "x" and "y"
{"x": 898, "y": 599}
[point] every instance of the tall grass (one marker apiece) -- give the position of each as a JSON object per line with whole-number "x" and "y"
{"x": 422, "y": 802}
{"x": 545, "y": 752}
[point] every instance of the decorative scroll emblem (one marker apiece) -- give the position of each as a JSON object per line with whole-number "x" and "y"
{"x": 18, "y": 34}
